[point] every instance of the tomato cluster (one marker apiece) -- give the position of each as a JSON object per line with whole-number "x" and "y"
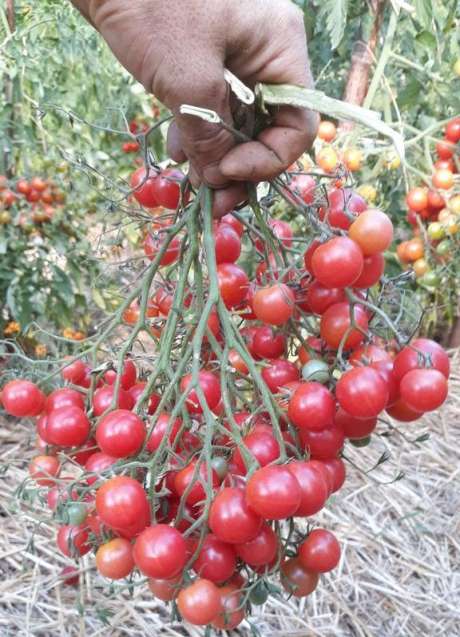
{"x": 192, "y": 488}
{"x": 434, "y": 213}
{"x": 36, "y": 198}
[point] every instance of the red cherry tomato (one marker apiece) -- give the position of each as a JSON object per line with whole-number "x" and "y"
{"x": 143, "y": 187}
{"x": 44, "y": 470}
{"x": 166, "y": 188}
{"x": 191, "y": 476}
{"x": 154, "y": 244}
{"x": 97, "y": 463}
{"x": 102, "y": 399}
{"x": 233, "y": 610}
{"x": 230, "y": 220}
{"x": 422, "y": 352}
{"x": 311, "y": 407}
{"x": 122, "y": 504}
{"x": 273, "y": 492}
{"x": 279, "y": 373}
{"x": 385, "y": 369}
{"x": 320, "y": 552}
{"x": 343, "y": 206}
{"x": 73, "y": 541}
{"x": 67, "y": 427}
{"x": 373, "y": 269}
{"x": 308, "y": 256}
{"x": 261, "y": 550}
{"x": 227, "y": 244}
{"x": 128, "y": 375}
{"x": 261, "y": 444}
{"x": 268, "y": 343}
{"x": 355, "y": 428}
{"x": 335, "y": 468}
{"x": 324, "y": 444}
{"x": 200, "y": 602}
{"x": 120, "y": 433}
{"x": 210, "y": 386}
{"x": 114, "y": 559}
{"x": 64, "y": 397}
{"x": 233, "y": 284}
{"x": 231, "y": 519}
{"x": 362, "y": 392}
{"x": 305, "y": 187}
{"x": 424, "y": 389}
{"x": 402, "y": 412}
{"x": 216, "y": 560}
{"x": 22, "y": 398}
{"x": 153, "y": 400}
{"x": 335, "y": 326}
{"x": 74, "y": 372}
{"x": 160, "y": 551}
{"x": 314, "y": 488}
{"x": 165, "y": 589}
{"x": 338, "y": 263}
{"x": 452, "y": 133}
{"x": 274, "y": 304}
{"x": 319, "y": 298}
{"x": 161, "y": 428}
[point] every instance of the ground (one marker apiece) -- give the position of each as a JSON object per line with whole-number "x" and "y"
{"x": 399, "y": 574}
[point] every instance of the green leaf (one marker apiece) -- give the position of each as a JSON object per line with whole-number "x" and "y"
{"x": 424, "y": 13}
{"x": 410, "y": 94}
{"x": 335, "y": 13}
{"x": 278, "y": 94}
{"x": 426, "y": 39}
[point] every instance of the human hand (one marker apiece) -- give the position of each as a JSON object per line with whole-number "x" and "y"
{"x": 178, "y": 50}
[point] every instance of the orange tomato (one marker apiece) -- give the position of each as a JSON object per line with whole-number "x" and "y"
{"x": 327, "y": 159}
{"x": 443, "y": 179}
{"x": 353, "y": 159}
{"x": 327, "y": 130}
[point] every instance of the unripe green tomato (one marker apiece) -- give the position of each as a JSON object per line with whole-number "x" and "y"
{"x": 435, "y": 231}
{"x": 316, "y": 370}
{"x": 259, "y": 594}
{"x": 220, "y": 466}
{"x": 430, "y": 279}
{"x": 360, "y": 442}
{"x": 443, "y": 248}
{"x": 5, "y": 217}
{"x": 75, "y": 513}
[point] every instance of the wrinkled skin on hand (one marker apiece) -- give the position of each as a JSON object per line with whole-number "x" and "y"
{"x": 178, "y": 50}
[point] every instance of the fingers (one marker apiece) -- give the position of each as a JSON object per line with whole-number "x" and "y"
{"x": 226, "y": 199}
{"x": 174, "y": 144}
{"x": 275, "y": 150}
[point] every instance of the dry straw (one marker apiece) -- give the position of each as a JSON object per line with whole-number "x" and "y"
{"x": 399, "y": 574}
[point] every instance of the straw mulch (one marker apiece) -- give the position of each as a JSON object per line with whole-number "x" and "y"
{"x": 399, "y": 574}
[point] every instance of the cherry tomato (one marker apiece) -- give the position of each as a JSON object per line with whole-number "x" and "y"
{"x": 422, "y": 352}
{"x": 233, "y": 284}
{"x": 443, "y": 179}
{"x": 122, "y": 504}
{"x": 233, "y": 611}
{"x": 344, "y": 204}
{"x": 338, "y": 263}
{"x": 445, "y": 149}
{"x": 120, "y": 433}
{"x": 22, "y": 398}
{"x": 97, "y": 463}
{"x": 373, "y": 269}
{"x": 165, "y": 589}
{"x": 231, "y": 519}
{"x": 143, "y": 187}
{"x": 267, "y": 343}
{"x": 69, "y": 576}
{"x": 311, "y": 407}
{"x": 262, "y": 445}
{"x": 114, "y": 559}
{"x": 160, "y": 551}
{"x": 128, "y": 375}
{"x": 320, "y": 552}
{"x": 335, "y": 326}
{"x": 64, "y": 397}
{"x": 230, "y": 220}
{"x": 335, "y": 468}
{"x": 424, "y": 389}
{"x": 210, "y": 386}
{"x": 261, "y": 550}
{"x": 296, "y": 580}
{"x": 74, "y": 372}
{"x": 278, "y": 373}
{"x": 73, "y": 540}
{"x": 362, "y": 392}
{"x": 236, "y": 361}
{"x": 44, "y": 470}
{"x": 324, "y": 444}
{"x": 372, "y": 231}
{"x": 355, "y": 427}
{"x": 417, "y": 199}
{"x": 274, "y": 304}
{"x": 162, "y": 427}
{"x": 166, "y": 188}
{"x": 200, "y": 602}
{"x": 305, "y": 187}
{"x": 327, "y": 130}
{"x": 153, "y": 245}
{"x": 227, "y": 244}
{"x": 319, "y": 298}
{"x": 273, "y": 492}
{"x": 452, "y": 133}
{"x": 189, "y": 475}
{"x": 153, "y": 400}
{"x": 308, "y": 256}
{"x": 216, "y": 560}
{"x": 314, "y": 488}
{"x": 103, "y": 397}
{"x": 385, "y": 369}
{"x": 67, "y": 427}
{"x": 400, "y": 411}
